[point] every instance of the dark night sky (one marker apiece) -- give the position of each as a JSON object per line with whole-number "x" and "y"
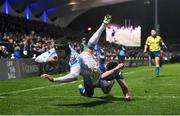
{"x": 140, "y": 14}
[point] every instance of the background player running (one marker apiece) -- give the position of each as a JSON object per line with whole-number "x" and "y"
{"x": 154, "y": 42}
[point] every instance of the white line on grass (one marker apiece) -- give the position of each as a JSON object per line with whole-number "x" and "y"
{"x": 104, "y": 97}
{"x": 32, "y": 89}
{"x": 38, "y": 88}
{"x": 166, "y": 97}
{"x": 2, "y": 97}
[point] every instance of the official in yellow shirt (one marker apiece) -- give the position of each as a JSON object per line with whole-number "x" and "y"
{"x": 154, "y": 42}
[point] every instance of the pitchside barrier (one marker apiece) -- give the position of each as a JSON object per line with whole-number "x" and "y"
{"x": 138, "y": 61}
{"x": 17, "y": 68}
{"x": 20, "y": 68}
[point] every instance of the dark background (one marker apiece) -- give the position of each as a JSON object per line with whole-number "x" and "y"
{"x": 140, "y": 12}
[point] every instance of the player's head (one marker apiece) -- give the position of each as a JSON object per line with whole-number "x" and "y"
{"x": 111, "y": 65}
{"x": 153, "y": 32}
{"x": 62, "y": 49}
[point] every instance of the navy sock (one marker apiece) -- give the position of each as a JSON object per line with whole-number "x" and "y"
{"x": 157, "y": 71}
{"x": 82, "y": 91}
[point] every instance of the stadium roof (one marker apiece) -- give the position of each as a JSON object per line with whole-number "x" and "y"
{"x": 59, "y": 8}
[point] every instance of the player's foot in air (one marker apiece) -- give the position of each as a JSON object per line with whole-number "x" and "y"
{"x": 49, "y": 77}
{"x": 107, "y": 19}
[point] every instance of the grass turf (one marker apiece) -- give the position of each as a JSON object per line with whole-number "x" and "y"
{"x": 152, "y": 95}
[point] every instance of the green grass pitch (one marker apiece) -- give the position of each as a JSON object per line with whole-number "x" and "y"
{"x": 35, "y": 95}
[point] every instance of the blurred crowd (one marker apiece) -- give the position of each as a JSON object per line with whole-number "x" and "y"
{"x": 20, "y": 38}
{"x": 24, "y": 45}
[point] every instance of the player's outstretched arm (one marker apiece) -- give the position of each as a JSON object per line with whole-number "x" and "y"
{"x": 72, "y": 76}
{"x": 49, "y": 77}
{"x": 124, "y": 88}
{"x": 112, "y": 72}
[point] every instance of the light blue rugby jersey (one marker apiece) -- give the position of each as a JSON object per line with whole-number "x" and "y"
{"x": 88, "y": 64}
{"x": 74, "y": 58}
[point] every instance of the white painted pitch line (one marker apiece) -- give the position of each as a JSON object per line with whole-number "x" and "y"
{"x": 1, "y": 97}
{"x": 167, "y": 97}
{"x": 32, "y": 89}
{"x": 44, "y": 97}
{"x": 38, "y": 88}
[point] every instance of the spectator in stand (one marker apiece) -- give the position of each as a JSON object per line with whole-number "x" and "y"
{"x": 10, "y": 46}
{"x": 17, "y": 52}
{"x": 3, "y": 52}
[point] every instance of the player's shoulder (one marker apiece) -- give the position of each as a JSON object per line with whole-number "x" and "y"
{"x": 149, "y": 37}
{"x": 159, "y": 37}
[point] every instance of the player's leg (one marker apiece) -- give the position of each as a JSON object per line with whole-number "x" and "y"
{"x": 106, "y": 86}
{"x": 157, "y": 60}
{"x": 152, "y": 57}
{"x": 155, "y": 56}
{"x": 87, "y": 90}
{"x": 153, "y": 61}
{"x": 95, "y": 37}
